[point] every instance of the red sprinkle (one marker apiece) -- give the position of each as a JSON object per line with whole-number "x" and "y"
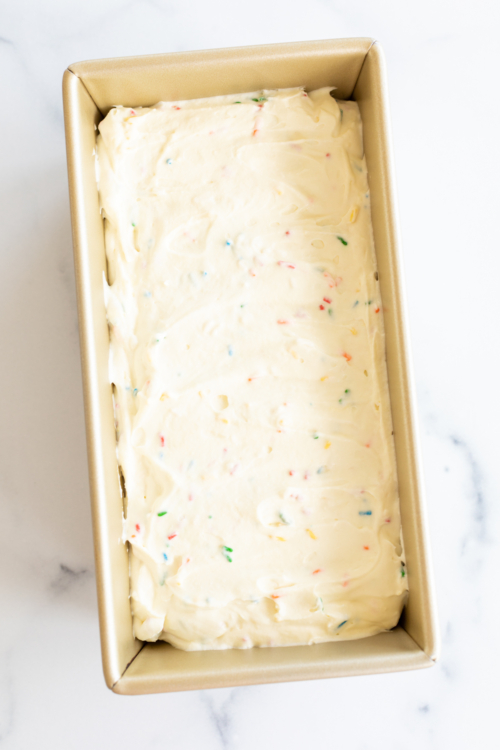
{"x": 321, "y": 307}
{"x": 328, "y": 301}
{"x": 174, "y": 107}
{"x": 137, "y": 527}
{"x": 328, "y": 155}
{"x": 287, "y": 232}
{"x": 162, "y": 441}
{"x": 387, "y": 520}
{"x": 172, "y": 536}
{"x": 291, "y": 472}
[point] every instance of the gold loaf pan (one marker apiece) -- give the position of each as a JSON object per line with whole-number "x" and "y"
{"x": 356, "y": 68}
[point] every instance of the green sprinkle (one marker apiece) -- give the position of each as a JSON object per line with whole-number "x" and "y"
{"x": 236, "y": 102}
{"x": 341, "y": 114}
{"x": 226, "y": 551}
{"x": 315, "y": 437}
{"x": 260, "y": 99}
{"x": 284, "y": 519}
{"x": 330, "y": 311}
{"x": 210, "y": 516}
{"x": 340, "y": 400}
{"x": 403, "y": 572}
{"x": 163, "y": 513}
{"x": 347, "y": 390}
{"x": 342, "y": 240}
{"x": 133, "y": 224}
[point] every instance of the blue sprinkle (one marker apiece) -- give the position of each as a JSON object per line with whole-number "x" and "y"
{"x": 190, "y": 464}
{"x": 365, "y": 512}
{"x": 165, "y": 557}
{"x": 342, "y": 623}
{"x": 356, "y": 303}
{"x": 230, "y": 350}
{"x": 161, "y": 454}
{"x": 169, "y": 162}
{"x": 135, "y": 392}
{"x": 205, "y": 273}
{"x": 321, "y": 470}
{"x": 229, "y": 242}
{"x": 147, "y": 294}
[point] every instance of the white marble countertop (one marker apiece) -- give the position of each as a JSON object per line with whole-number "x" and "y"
{"x": 442, "y": 61}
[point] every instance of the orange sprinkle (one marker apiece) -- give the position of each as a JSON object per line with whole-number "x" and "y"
{"x": 377, "y": 309}
{"x": 316, "y": 571}
{"x": 346, "y": 583}
{"x": 133, "y": 536}
{"x": 365, "y": 547}
{"x": 275, "y": 596}
{"x": 347, "y": 356}
{"x": 311, "y": 534}
{"x": 255, "y": 131}
{"x": 283, "y": 322}
{"x": 367, "y": 445}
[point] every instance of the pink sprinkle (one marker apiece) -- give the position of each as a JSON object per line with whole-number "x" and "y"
{"x": 132, "y": 112}
{"x": 162, "y": 441}
{"x": 291, "y": 472}
{"x": 172, "y": 536}
{"x": 190, "y": 497}
{"x": 387, "y": 520}
{"x": 285, "y": 263}
{"x": 287, "y": 233}
{"x": 346, "y": 583}
{"x": 306, "y": 475}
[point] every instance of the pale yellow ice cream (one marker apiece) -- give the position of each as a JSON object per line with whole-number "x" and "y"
{"x": 247, "y": 355}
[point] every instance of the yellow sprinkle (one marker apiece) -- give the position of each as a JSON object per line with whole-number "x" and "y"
{"x": 163, "y": 396}
{"x": 281, "y": 539}
{"x": 354, "y": 214}
{"x": 225, "y": 421}
{"x": 327, "y": 444}
{"x": 376, "y": 406}
{"x": 325, "y": 378}
{"x": 311, "y": 534}
{"x": 366, "y": 372}
{"x": 353, "y": 331}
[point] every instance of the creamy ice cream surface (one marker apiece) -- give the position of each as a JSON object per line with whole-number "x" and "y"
{"x": 250, "y": 386}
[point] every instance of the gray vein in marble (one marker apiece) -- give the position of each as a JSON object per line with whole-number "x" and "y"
{"x": 220, "y": 715}
{"x": 67, "y": 577}
{"x": 479, "y": 515}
